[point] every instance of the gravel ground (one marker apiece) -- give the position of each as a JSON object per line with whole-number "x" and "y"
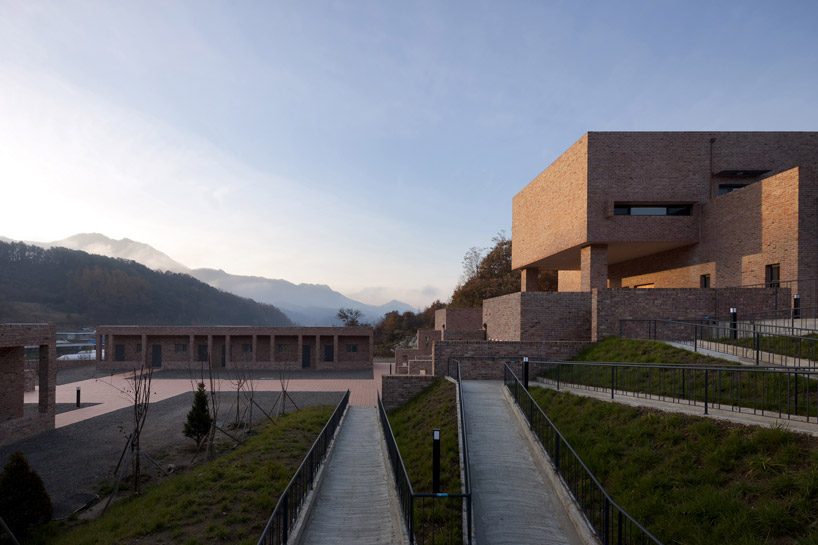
{"x": 75, "y": 459}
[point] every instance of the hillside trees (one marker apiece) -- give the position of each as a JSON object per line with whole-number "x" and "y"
{"x": 398, "y": 329}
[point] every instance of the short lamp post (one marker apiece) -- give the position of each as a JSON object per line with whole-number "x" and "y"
{"x": 436, "y": 460}
{"x": 733, "y": 323}
{"x": 525, "y": 372}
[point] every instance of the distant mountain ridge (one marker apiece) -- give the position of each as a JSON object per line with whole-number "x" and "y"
{"x": 73, "y": 288}
{"x": 306, "y": 304}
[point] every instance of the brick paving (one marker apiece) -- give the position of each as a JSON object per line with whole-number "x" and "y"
{"x": 110, "y": 392}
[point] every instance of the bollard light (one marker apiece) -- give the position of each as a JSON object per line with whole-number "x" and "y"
{"x": 796, "y": 306}
{"x": 525, "y": 372}
{"x": 436, "y": 460}
{"x": 78, "y": 396}
{"x": 733, "y": 323}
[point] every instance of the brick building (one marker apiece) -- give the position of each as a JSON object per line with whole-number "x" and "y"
{"x": 231, "y": 347}
{"x": 685, "y": 213}
{"x": 16, "y": 420}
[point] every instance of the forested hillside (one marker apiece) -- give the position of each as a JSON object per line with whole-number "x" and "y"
{"x": 72, "y": 288}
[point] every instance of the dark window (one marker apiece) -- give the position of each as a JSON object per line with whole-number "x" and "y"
{"x": 283, "y": 348}
{"x": 352, "y": 348}
{"x": 246, "y": 347}
{"x": 138, "y": 348}
{"x": 724, "y": 189}
{"x": 704, "y": 281}
{"x": 202, "y": 349}
{"x": 329, "y": 352}
{"x": 772, "y": 275}
{"x": 628, "y": 209}
{"x": 119, "y": 352}
{"x": 180, "y": 347}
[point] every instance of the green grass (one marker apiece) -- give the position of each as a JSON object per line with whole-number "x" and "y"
{"x": 797, "y": 347}
{"x": 226, "y": 500}
{"x": 770, "y": 392}
{"x": 692, "y": 480}
{"x": 615, "y": 349}
{"x": 438, "y": 521}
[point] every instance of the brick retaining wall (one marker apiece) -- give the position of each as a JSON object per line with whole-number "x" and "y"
{"x": 397, "y": 390}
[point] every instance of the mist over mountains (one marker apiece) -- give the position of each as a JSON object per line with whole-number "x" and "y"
{"x": 306, "y": 304}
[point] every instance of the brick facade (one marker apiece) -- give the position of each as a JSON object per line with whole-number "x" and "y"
{"x": 538, "y": 316}
{"x": 397, "y": 390}
{"x": 236, "y": 347}
{"x": 459, "y": 322}
{"x": 15, "y": 423}
{"x": 485, "y": 359}
{"x": 565, "y": 216}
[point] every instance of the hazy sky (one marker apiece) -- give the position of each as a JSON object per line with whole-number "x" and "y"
{"x": 365, "y": 145}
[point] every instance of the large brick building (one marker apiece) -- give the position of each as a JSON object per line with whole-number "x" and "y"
{"x": 17, "y": 420}
{"x": 686, "y": 213}
{"x": 248, "y": 347}
{"x": 672, "y": 210}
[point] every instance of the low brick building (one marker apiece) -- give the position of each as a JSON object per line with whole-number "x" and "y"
{"x": 232, "y": 347}
{"x": 16, "y": 420}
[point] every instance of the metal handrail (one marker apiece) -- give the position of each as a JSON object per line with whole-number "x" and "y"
{"x": 612, "y": 524}
{"x": 770, "y": 390}
{"x": 408, "y": 497}
{"x": 755, "y": 342}
{"x": 464, "y": 448}
{"x": 402, "y": 482}
{"x": 285, "y": 514}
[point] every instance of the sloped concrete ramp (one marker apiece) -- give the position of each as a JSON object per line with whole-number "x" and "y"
{"x": 356, "y": 501}
{"x": 513, "y": 502}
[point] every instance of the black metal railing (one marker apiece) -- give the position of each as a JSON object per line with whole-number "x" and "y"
{"x": 279, "y": 525}
{"x": 612, "y": 524}
{"x": 761, "y": 343}
{"x": 780, "y": 392}
{"x": 464, "y": 450}
{"x": 427, "y": 516}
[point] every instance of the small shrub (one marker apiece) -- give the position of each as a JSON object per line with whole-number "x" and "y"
{"x": 198, "y": 420}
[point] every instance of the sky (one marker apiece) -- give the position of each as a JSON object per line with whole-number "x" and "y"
{"x": 363, "y": 145}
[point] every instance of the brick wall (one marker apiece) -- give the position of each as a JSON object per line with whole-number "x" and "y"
{"x": 12, "y": 382}
{"x": 397, "y": 390}
{"x": 485, "y": 359}
{"x": 538, "y": 316}
{"x": 458, "y": 319}
{"x": 608, "y": 307}
{"x": 503, "y": 317}
{"x": 421, "y": 366}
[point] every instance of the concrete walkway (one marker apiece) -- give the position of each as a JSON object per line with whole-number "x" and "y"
{"x": 695, "y": 408}
{"x": 513, "y": 501}
{"x": 355, "y": 501}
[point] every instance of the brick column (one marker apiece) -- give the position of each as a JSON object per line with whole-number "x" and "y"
{"x": 272, "y": 348}
{"x": 99, "y": 349}
{"x": 335, "y": 348}
{"x": 109, "y": 349}
{"x": 144, "y": 342}
{"x": 190, "y": 346}
{"x": 530, "y": 279}
{"x": 47, "y": 375}
{"x": 254, "y": 348}
{"x": 228, "y": 349}
{"x": 594, "y": 263}
{"x": 300, "y": 351}
{"x": 209, "y": 351}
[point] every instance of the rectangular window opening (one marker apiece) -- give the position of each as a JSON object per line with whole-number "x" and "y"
{"x": 704, "y": 281}
{"x": 648, "y": 209}
{"x": 772, "y": 275}
{"x": 180, "y": 347}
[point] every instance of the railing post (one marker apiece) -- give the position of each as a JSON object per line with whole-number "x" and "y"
{"x": 695, "y": 338}
{"x": 285, "y": 524}
{"x": 706, "y": 388}
{"x": 757, "y": 345}
{"x": 619, "y": 528}
{"x": 411, "y": 519}
{"x": 683, "y": 384}
{"x": 613, "y": 380}
{"x": 558, "y": 376}
{"x": 796, "y": 391}
{"x": 606, "y": 522}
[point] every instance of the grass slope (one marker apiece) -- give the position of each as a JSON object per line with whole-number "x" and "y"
{"x": 771, "y": 392}
{"x": 437, "y": 521}
{"x": 226, "y": 500}
{"x": 615, "y": 349}
{"x": 692, "y": 480}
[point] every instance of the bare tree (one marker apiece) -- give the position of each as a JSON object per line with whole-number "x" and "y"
{"x": 471, "y": 263}
{"x": 141, "y": 397}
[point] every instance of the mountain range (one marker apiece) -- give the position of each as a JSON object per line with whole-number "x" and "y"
{"x": 306, "y": 304}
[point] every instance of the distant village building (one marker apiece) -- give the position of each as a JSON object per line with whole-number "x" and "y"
{"x": 17, "y": 420}
{"x": 235, "y": 347}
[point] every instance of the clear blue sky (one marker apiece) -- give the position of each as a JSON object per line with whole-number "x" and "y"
{"x": 365, "y": 145}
